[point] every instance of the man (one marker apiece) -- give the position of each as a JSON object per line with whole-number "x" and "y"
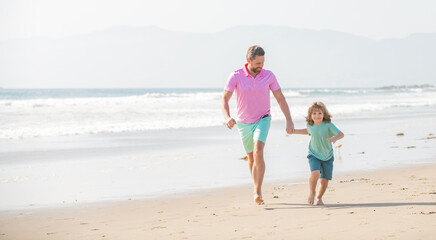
{"x": 252, "y": 85}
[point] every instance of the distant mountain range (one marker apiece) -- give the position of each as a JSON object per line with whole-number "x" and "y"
{"x": 150, "y": 57}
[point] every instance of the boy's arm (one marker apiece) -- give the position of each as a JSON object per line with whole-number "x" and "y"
{"x": 340, "y": 135}
{"x": 301, "y": 131}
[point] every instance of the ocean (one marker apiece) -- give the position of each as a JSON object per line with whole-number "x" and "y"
{"x": 39, "y": 113}
{"x": 66, "y": 147}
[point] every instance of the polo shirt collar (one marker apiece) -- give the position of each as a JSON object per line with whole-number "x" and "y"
{"x": 247, "y": 74}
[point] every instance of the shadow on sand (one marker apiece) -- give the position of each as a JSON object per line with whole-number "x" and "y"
{"x": 272, "y": 206}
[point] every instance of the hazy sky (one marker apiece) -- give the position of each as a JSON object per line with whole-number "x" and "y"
{"x": 376, "y": 19}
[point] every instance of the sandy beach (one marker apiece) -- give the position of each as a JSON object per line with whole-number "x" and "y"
{"x": 391, "y": 204}
{"x": 191, "y": 183}
{"x": 126, "y": 120}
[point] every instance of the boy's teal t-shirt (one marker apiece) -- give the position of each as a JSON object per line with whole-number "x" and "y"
{"x": 319, "y": 146}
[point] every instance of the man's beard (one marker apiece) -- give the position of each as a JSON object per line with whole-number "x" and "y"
{"x": 256, "y": 70}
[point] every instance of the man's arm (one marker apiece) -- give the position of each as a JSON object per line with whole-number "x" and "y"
{"x": 230, "y": 122}
{"x": 281, "y": 100}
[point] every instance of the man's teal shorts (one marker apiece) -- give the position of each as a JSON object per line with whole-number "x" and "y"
{"x": 250, "y": 133}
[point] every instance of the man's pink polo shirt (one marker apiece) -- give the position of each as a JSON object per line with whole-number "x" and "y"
{"x": 252, "y": 94}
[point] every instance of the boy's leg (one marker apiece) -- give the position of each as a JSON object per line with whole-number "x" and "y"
{"x": 314, "y": 176}
{"x": 326, "y": 175}
{"x": 322, "y": 188}
{"x": 315, "y": 168}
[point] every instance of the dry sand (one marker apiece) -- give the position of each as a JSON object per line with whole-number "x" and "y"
{"x": 392, "y": 204}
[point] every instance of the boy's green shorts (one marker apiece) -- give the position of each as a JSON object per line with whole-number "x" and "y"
{"x": 252, "y": 132}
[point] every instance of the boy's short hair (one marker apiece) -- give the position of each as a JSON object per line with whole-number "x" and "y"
{"x": 254, "y": 51}
{"x": 318, "y": 106}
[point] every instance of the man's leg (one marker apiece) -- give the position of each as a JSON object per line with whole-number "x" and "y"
{"x": 258, "y": 170}
{"x": 313, "y": 180}
{"x": 250, "y": 163}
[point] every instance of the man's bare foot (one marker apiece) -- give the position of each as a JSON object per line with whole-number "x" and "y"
{"x": 311, "y": 199}
{"x": 258, "y": 199}
{"x": 319, "y": 201}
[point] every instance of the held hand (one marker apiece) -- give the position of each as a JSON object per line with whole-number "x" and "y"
{"x": 290, "y": 127}
{"x": 332, "y": 139}
{"x": 230, "y": 123}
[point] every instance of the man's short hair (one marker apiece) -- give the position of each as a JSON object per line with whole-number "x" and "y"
{"x": 254, "y": 51}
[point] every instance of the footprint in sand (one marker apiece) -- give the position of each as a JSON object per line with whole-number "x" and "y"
{"x": 158, "y": 227}
{"x": 429, "y": 213}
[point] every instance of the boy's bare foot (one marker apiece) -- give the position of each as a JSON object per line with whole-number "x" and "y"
{"x": 319, "y": 201}
{"x": 258, "y": 199}
{"x": 311, "y": 199}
